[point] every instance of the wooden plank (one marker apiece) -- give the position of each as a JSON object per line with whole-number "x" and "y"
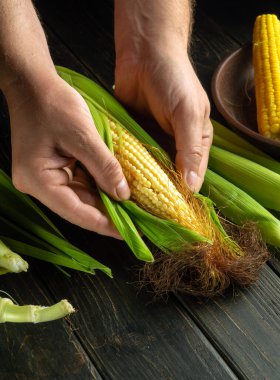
{"x": 48, "y": 351}
{"x": 236, "y": 18}
{"x": 246, "y": 329}
{"x": 85, "y": 34}
{"x": 127, "y": 333}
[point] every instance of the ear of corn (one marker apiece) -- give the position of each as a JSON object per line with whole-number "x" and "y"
{"x": 266, "y": 59}
{"x": 261, "y": 183}
{"x": 203, "y": 260}
{"x": 116, "y": 138}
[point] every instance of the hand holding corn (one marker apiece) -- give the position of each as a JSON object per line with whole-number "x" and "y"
{"x": 154, "y": 74}
{"x": 51, "y": 126}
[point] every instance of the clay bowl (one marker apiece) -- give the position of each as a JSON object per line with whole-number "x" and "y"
{"x": 234, "y": 96}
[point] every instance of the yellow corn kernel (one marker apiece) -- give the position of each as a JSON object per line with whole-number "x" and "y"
{"x": 266, "y": 59}
{"x": 149, "y": 184}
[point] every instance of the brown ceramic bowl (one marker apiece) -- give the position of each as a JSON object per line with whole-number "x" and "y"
{"x": 234, "y": 96}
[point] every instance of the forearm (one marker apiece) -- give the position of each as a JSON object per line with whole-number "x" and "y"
{"x": 24, "y": 53}
{"x": 145, "y": 27}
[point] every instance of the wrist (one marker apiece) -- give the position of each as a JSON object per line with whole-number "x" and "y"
{"x": 147, "y": 29}
{"x": 20, "y": 85}
{"x": 153, "y": 50}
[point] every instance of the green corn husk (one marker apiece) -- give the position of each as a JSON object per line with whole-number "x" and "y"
{"x": 240, "y": 208}
{"x": 259, "y": 182}
{"x": 187, "y": 251}
{"x": 233, "y": 138}
{"x": 9, "y": 312}
{"x": 28, "y": 231}
{"x": 267, "y": 162}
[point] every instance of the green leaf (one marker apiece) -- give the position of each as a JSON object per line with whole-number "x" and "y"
{"x": 167, "y": 235}
{"x": 19, "y": 207}
{"x": 44, "y": 255}
{"x": 62, "y": 248}
{"x": 126, "y": 228}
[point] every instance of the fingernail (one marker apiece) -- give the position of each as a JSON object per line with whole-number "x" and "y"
{"x": 122, "y": 190}
{"x": 192, "y": 180}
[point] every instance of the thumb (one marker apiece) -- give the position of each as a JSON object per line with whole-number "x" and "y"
{"x": 93, "y": 153}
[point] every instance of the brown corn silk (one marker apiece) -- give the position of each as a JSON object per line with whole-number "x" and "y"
{"x": 204, "y": 268}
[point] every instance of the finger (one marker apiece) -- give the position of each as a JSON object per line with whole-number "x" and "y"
{"x": 188, "y": 137}
{"x": 92, "y": 198}
{"x": 89, "y": 148}
{"x": 207, "y": 139}
{"x": 61, "y": 199}
{"x": 83, "y": 185}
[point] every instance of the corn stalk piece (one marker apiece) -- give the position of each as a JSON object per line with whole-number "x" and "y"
{"x": 200, "y": 258}
{"x": 9, "y": 312}
{"x": 11, "y": 261}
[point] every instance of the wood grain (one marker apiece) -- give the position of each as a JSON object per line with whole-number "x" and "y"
{"x": 45, "y": 351}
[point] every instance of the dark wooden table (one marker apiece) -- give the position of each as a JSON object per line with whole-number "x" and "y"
{"x": 118, "y": 332}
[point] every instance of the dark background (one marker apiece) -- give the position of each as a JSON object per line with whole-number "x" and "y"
{"x": 119, "y": 332}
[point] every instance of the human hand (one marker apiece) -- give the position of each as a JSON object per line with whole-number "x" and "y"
{"x": 167, "y": 87}
{"x": 51, "y": 128}
{"x": 154, "y": 73}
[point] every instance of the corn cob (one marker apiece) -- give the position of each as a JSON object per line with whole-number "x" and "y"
{"x": 149, "y": 184}
{"x": 266, "y": 60}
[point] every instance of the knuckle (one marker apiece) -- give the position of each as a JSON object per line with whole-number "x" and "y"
{"x": 96, "y": 224}
{"x": 196, "y": 153}
{"x": 111, "y": 168}
{"x": 81, "y": 137}
{"x": 176, "y": 102}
